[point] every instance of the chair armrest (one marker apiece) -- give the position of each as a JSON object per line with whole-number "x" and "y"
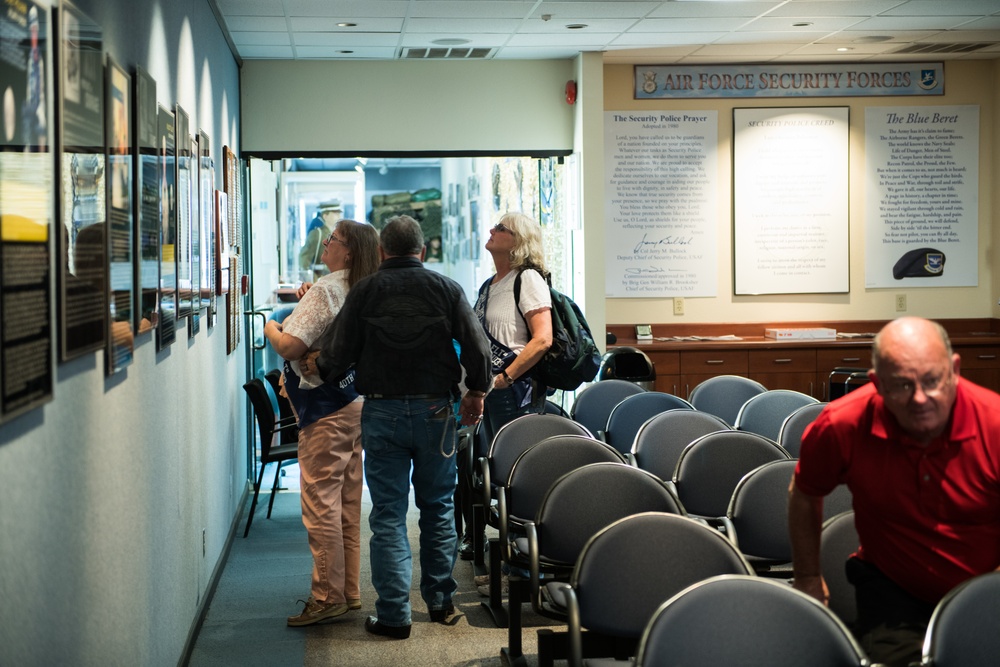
{"x": 725, "y": 525}
{"x": 534, "y": 569}
{"x": 601, "y": 435}
{"x": 573, "y": 626}
{"x": 502, "y": 519}
{"x": 631, "y": 460}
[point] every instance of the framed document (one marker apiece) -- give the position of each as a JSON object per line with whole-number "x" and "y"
{"x": 194, "y": 319}
{"x": 121, "y": 244}
{"x": 790, "y": 200}
{"x": 183, "y": 207}
{"x": 167, "y": 284}
{"x": 146, "y": 200}
{"x": 206, "y": 197}
{"x": 26, "y": 191}
{"x": 83, "y": 256}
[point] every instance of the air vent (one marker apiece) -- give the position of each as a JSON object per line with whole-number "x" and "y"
{"x": 456, "y": 53}
{"x": 964, "y": 47}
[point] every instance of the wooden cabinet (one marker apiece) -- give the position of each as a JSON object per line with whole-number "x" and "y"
{"x": 667, "y": 366}
{"x": 699, "y": 365}
{"x": 981, "y": 364}
{"x": 790, "y": 368}
{"x": 687, "y": 354}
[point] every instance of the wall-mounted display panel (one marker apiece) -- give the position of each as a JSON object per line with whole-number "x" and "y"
{"x": 790, "y": 200}
{"x": 206, "y": 196}
{"x": 194, "y": 319}
{"x": 146, "y": 200}
{"x": 167, "y": 285}
{"x": 83, "y": 261}
{"x": 121, "y": 245}
{"x": 183, "y": 207}
{"x": 26, "y": 195}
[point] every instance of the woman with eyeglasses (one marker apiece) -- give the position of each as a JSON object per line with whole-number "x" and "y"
{"x": 519, "y": 330}
{"x": 329, "y": 419}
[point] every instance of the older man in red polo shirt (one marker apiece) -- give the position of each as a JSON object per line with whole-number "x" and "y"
{"x": 919, "y": 447}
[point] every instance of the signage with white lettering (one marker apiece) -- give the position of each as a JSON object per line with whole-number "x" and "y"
{"x": 807, "y": 80}
{"x": 921, "y": 196}
{"x": 661, "y": 203}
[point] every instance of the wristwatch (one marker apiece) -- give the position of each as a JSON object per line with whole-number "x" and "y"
{"x": 506, "y": 377}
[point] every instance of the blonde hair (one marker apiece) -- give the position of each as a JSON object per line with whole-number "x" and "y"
{"x": 527, "y": 252}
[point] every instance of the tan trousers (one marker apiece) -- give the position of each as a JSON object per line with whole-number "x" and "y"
{"x": 331, "y": 479}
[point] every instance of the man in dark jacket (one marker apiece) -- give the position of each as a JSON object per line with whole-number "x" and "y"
{"x": 397, "y": 328}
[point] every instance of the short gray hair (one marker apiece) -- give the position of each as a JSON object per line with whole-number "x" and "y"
{"x": 401, "y": 236}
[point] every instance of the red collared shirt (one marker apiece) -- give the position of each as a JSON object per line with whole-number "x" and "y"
{"x": 927, "y": 517}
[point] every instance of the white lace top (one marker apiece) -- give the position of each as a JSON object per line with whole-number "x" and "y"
{"x": 313, "y": 315}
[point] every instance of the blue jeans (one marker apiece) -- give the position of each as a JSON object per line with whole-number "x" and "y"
{"x": 396, "y": 433}
{"x": 500, "y": 407}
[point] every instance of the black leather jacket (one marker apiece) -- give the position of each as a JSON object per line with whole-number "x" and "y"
{"x": 397, "y": 327}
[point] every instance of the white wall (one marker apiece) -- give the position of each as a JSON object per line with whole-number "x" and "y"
{"x": 106, "y": 491}
{"x": 314, "y": 106}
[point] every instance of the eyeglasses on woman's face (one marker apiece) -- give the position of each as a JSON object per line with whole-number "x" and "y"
{"x": 500, "y": 227}
{"x": 333, "y": 237}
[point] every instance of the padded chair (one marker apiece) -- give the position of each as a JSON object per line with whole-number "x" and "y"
{"x": 660, "y": 440}
{"x": 628, "y": 416}
{"x": 790, "y": 434}
{"x": 491, "y": 472}
{"x": 594, "y": 403}
{"x": 963, "y": 628}
{"x": 724, "y": 395}
{"x": 845, "y": 379}
{"x": 765, "y": 413}
{"x": 709, "y": 469}
{"x": 265, "y": 409}
{"x": 757, "y": 518}
{"x": 747, "y": 621}
{"x": 575, "y": 508}
{"x": 628, "y": 569}
{"x": 838, "y": 540}
{"x": 533, "y": 474}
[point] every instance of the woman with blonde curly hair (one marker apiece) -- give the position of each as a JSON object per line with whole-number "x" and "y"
{"x": 520, "y": 332}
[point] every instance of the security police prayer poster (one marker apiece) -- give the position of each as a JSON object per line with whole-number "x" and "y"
{"x": 921, "y": 196}
{"x": 661, "y": 203}
{"x": 790, "y": 200}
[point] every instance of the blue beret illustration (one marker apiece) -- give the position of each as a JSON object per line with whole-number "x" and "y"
{"x": 919, "y": 263}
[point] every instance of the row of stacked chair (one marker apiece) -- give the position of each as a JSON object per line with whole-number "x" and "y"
{"x": 546, "y": 537}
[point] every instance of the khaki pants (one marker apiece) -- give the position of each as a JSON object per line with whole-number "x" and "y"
{"x": 331, "y": 479}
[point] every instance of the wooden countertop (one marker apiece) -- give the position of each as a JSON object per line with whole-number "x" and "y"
{"x": 963, "y": 332}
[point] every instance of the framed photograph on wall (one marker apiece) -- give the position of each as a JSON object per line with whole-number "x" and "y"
{"x": 194, "y": 319}
{"x": 146, "y": 200}
{"x": 167, "y": 284}
{"x": 790, "y": 200}
{"x": 121, "y": 245}
{"x": 206, "y": 207}
{"x": 26, "y": 192}
{"x": 183, "y": 203}
{"x": 83, "y": 257}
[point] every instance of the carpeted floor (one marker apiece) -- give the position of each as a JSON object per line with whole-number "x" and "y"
{"x": 270, "y": 570}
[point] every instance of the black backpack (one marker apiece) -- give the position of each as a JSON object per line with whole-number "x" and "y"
{"x": 573, "y": 358}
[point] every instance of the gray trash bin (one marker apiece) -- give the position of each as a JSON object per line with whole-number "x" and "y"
{"x": 630, "y": 364}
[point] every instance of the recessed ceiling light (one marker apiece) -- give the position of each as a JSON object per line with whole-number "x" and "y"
{"x": 802, "y": 24}
{"x": 576, "y": 26}
{"x": 345, "y": 52}
{"x": 347, "y": 25}
{"x": 844, "y": 48}
{"x": 450, "y": 41}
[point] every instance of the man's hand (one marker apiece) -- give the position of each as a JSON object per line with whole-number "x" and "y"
{"x": 470, "y": 410}
{"x": 813, "y": 585}
{"x": 308, "y": 364}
